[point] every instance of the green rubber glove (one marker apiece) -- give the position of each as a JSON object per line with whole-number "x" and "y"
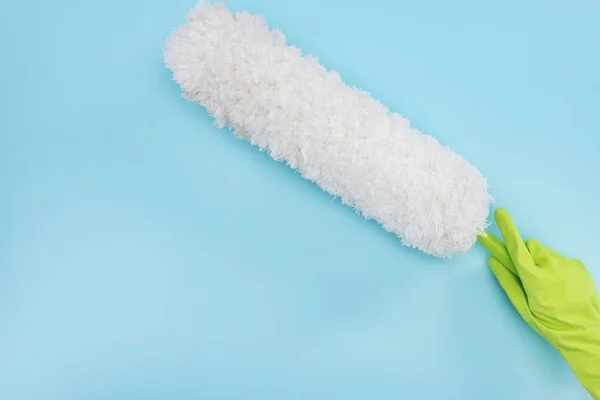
{"x": 554, "y": 294}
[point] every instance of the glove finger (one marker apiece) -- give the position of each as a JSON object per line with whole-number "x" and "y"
{"x": 514, "y": 243}
{"x": 539, "y": 253}
{"x": 512, "y": 286}
{"x": 498, "y": 250}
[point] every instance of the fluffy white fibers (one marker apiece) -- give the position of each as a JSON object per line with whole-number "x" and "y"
{"x": 337, "y": 136}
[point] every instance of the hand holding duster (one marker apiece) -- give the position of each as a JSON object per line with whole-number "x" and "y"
{"x": 554, "y": 294}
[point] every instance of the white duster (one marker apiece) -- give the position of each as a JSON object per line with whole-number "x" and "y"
{"x": 337, "y": 136}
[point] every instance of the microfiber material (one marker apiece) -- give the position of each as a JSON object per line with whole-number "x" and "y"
{"x": 348, "y": 143}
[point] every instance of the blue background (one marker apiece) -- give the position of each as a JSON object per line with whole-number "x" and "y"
{"x": 144, "y": 254}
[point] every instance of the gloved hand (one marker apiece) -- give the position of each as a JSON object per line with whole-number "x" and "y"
{"x": 554, "y": 294}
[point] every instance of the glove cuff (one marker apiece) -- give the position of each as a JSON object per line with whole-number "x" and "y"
{"x": 581, "y": 350}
